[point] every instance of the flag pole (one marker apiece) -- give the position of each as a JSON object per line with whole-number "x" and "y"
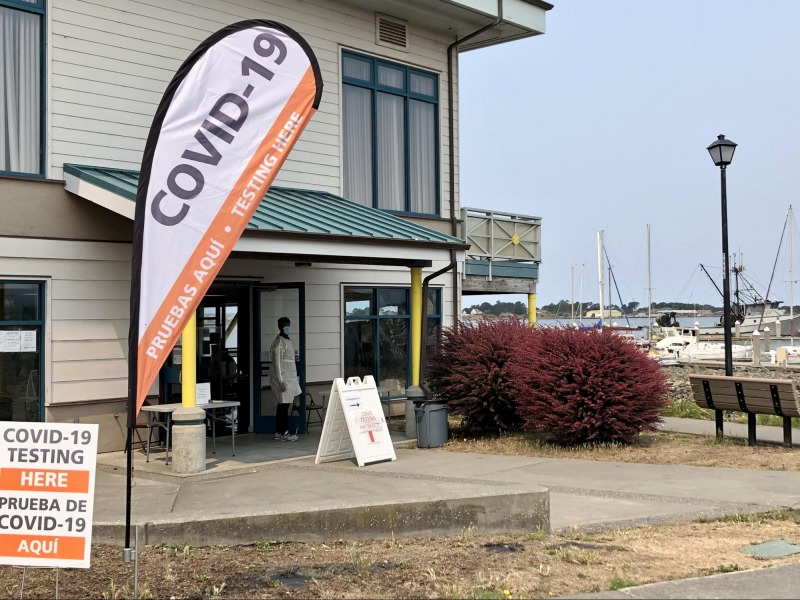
{"x": 128, "y": 553}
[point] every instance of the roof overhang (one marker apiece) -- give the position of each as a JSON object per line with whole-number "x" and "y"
{"x": 459, "y": 18}
{"x": 305, "y": 246}
{"x": 100, "y": 196}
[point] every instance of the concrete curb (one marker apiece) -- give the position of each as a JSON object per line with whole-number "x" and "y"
{"x": 503, "y": 512}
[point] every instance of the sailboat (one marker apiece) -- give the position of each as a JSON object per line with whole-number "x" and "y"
{"x": 623, "y": 330}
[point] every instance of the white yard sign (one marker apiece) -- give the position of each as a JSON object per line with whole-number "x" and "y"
{"x": 47, "y": 473}
{"x": 354, "y": 424}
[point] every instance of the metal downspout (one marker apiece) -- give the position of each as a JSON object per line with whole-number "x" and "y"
{"x": 424, "y": 325}
{"x": 451, "y": 145}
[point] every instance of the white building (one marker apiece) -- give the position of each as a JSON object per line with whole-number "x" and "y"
{"x": 80, "y": 82}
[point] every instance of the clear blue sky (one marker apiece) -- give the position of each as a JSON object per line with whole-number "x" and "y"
{"x": 603, "y": 123}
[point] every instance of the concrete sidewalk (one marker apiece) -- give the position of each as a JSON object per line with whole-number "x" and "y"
{"x": 425, "y": 492}
{"x": 774, "y": 583}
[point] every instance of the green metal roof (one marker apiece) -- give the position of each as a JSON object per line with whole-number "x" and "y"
{"x": 290, "y": 210}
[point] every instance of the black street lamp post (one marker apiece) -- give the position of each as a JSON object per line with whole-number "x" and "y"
{"x": 722, "y": 154}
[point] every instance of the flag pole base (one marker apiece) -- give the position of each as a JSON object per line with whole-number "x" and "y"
{"x": 189, "y": 440}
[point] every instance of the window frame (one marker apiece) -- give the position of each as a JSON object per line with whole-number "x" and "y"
{"x": 36, "y": 7}
{"x": 374, "y": 87}
{"x": 41, "y": 324}
{"x": 376, "y": 317}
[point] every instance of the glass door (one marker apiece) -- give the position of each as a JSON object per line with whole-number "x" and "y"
{"x": 223, "y": 346}
{"x": 21, "y": 335}
{"x": 272, "y": 303}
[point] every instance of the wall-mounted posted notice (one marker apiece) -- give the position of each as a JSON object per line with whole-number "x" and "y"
{"x": 354, "y": 424}
{"x": 46, "y": 493}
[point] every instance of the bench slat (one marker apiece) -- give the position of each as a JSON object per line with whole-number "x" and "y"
{"x": 759, "y": 400}
{"x": 749, "y": 390}
{"x": 760, "y": 406}
{"x": 753, "y": 380}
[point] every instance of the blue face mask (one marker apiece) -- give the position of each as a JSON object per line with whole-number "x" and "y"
{"x": 287, "y": 330}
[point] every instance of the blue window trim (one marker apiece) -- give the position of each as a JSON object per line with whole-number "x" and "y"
{"x": 406, "y": 94}
{"x": 38, "y": 8}
{"x": 40, "y": 322}
{"x": 374, "y": 316}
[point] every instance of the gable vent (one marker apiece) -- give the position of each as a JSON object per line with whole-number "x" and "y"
{"x": 390, "y": 31}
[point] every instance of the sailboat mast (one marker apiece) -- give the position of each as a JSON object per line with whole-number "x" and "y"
{"x": 572, "y": 293}
{"x": 600, "y": 274}
{"x": 649, "y": 287}
{"x": 791, "y": 280}
{"x": 580, "y": 294}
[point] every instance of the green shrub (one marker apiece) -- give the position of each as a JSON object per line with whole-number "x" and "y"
{"x": 587, "y": 387}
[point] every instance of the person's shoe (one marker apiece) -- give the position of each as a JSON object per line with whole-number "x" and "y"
{"x": 278, "y": 437}
{"x": 287, "y": 437}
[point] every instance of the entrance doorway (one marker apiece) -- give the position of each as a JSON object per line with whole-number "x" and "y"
{"x": 223, "y": 346}
{"x": 271, "y": 303}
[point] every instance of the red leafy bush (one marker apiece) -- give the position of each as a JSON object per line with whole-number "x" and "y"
{"x": 593, "y": 387}
{"x": 471, "y": 370}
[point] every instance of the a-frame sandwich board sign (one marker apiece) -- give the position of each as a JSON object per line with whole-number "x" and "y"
{"x": 354, "y": 424}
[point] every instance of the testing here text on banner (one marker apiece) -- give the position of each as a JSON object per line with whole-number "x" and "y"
{"x": 224, "y": 128}
{"x": 47, "y": 475}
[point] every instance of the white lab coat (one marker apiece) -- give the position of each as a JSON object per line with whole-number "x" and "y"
{"x": 283, "y": 369}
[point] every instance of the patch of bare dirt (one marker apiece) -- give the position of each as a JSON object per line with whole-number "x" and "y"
{"x": 466, "y": 566}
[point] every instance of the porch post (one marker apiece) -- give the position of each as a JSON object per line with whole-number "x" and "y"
{"x": 532, "y": 309}
{"x": 189, "y": 422}
{"x": 189, "y": 363}
{"x": 416, "y": 322}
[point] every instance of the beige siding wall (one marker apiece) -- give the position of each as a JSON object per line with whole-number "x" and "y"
{"x": 110, "y": 61}
{"x": 88, "y": 285}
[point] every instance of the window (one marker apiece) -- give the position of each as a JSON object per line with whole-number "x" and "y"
{"x": 21, "y": 323}
{"x": 21, "y": 62}
{"x": 377, "y": 335}
{"x": 390, "y": 135}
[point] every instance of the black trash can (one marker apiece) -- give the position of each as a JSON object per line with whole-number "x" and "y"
{"x": 431, "y": 420}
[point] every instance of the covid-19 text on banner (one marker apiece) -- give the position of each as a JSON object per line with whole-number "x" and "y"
{"x": 47, "y": 475}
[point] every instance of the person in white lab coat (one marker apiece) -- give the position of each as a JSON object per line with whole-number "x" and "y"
{"x": 283, "y": 378}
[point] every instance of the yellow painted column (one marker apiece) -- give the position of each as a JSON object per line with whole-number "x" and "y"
{"x": 416, "y": 322}
{"x": 532, "y": 310}
{"x": 189, "y": 363}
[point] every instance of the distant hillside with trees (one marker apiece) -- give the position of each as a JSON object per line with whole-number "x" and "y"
{"x": 562, "y": 308}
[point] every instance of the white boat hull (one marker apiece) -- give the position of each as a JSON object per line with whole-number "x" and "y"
{"x": 786, "y": 325}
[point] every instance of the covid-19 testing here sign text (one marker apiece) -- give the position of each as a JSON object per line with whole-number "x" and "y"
{"x": 46, "y": 493}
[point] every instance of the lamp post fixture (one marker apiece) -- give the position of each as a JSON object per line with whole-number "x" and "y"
{"x": 721, "y": 152}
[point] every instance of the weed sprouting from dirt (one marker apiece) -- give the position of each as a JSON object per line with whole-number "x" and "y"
{"x": 361, "y": 564}
{"x": 617, "y": 583}
{"x": 724, "y": 568}
{"x": 267, "y": 545}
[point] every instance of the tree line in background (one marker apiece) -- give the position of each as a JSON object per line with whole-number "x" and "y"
{"x": 562, "y": 308}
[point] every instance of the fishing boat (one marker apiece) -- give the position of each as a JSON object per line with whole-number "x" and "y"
{"x": 682, "y": 342}
{"x": 752, "y": 311}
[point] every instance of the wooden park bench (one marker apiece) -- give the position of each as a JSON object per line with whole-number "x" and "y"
{"x": 748, "y": 395}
